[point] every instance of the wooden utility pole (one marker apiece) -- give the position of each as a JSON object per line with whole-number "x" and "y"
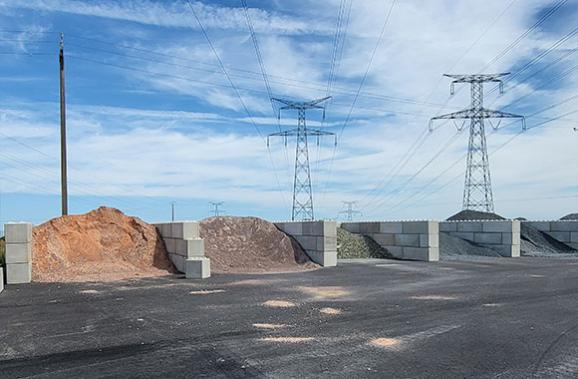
{"x": 63, "y": 164}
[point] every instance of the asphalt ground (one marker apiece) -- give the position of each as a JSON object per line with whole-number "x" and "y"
{"x": 491, "y": 318}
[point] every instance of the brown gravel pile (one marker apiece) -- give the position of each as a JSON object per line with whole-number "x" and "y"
{"x": 102, "y": 245}
{"x": 251, "y": 245}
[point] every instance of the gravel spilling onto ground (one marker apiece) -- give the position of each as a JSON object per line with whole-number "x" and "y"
{"x": 350, "y": 245}
{"x": 475, "y": 215}
{"x": 102, "y": 245}
{"x": 536, "y": 243}
{"x": 451, "y": 246}
{"x": 251, "y": 245}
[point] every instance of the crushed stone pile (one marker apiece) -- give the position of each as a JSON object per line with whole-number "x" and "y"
{"x": 452, "y": 247}
{"x": 475, "y": 215}
{"x": 350, "y": 245}
{"x": 101, "y": 245}
{"x": 536, "y": 243}
{"x": 251, "y": 245}
{"x": 571, "y": 216}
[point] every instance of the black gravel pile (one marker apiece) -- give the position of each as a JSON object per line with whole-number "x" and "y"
{"x": 351, "y": 245}
{"x": 451, "y": 247}
{"x": 571, "y": 216}
{"x": 535, "y": 243}
{"x": 475, "y": 215}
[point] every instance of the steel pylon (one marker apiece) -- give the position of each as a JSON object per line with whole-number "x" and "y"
{"x": 478, "y": 184}
{"x": 302, "y": 193}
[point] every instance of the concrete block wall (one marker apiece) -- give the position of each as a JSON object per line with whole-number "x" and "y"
{"x": 317, "y": 238}
{"x": 18, "y": 252}
{"x": 563, "y": 230}
{"x": 1, "y": 279}
{"x": 501, "y": 236}
{"x": 413, "y": 240}
{"x": 185, "y": 247}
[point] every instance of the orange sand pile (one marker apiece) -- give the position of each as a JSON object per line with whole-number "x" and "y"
{"x": 102, "y": 245}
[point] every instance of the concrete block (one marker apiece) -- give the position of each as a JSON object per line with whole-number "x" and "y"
{"x": 540, "y": 225}
{"x": 396, "y": 251}
{"x": 448, "y": 227}
{"x": 1, "y": 279}
{"x": 18, "y": 252}
{"x": 561, "y": 236}
{"x": 324, "y": 258}
{"x": 170, "y": 245}
{"x": 574, "y": 237}
{"x": 498, "y": 226}
{"x": 508, "y": 251}
{"x": 416, "y": 227}
{"x": 326, "y": 243}
{"x": 384, "y": 239}
{"x": 195, "y": 248}
{"x": 510, "y": 238}
{"x": 313, "y": 228}
{"x": 18, "y": 232}
{"x": 185, "y": 230}
{"x": 465, "y": 226}
{"x": 178, "y": 261}
{"x": 307, "y": 242}
{"x": 433, "y": 227}
{"x": 516, "y": 226}
{"x": 488, "y": 238}
{"x": 292, "y": 228}
{"x": 464, "y": 235}
{"x": 17, "y": 273}
{"x": 411, "y": 240}
{"x": 564, "y": 226}
{"x": 164, "y": 229}
{"x": 369, "y": 227}
{"x": 573, "y": 245}
{"x": 416, "y": 253}
{"x": 198, "y": 268}
{"x": 352, "y": 227}
{"x": 330, "y": 229}
{"x": 429, "y": 240}
{"x": 390, "y": 227}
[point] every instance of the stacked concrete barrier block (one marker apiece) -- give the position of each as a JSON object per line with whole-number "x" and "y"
{"x": 186, "y": 249}
{"x": 1, "y": 279}
{"x": 18, "y": 252}
{"x": 412, "y": 240}
{"x": 565, "y": 231}
{"x": 502, "y": 236}
{"x": 317, "y": 238}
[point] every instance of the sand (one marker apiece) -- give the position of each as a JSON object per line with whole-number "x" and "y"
{"x": 101, "y": 245}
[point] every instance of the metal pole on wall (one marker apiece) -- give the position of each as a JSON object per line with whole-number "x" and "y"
{"x": 63, "y": 164}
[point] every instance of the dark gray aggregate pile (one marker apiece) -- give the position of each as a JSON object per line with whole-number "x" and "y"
{"x": 571, "y": 216}
{"x": 351, "y": 245}
{"x": 535, "y": 243}
{"x": 452, "y": 247}
{"x": 475, "y": 215}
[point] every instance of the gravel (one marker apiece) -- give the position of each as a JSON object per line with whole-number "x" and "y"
{"x": 351, "y": 245}
{"x": 475, "y": 215}
{"x": 535, "y": 243}
{"x": 451, "y": 246}
{"x": 571, "y": 216}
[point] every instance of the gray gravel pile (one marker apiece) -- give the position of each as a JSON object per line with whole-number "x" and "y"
{"x": 535, "y": 243}
{"x": 351, "y": 245}
{"x": 571, "y": 216}
{"x": 475, "y": 215}
{"x": 451, "y": 246}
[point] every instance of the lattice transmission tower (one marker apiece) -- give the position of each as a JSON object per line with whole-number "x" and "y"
{"x": 302, "y": 194}
{"x": 478, "y": 185}
{"x": 350, "y": 212}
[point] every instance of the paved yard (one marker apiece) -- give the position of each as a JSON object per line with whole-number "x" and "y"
{"x": 491, "y": 318}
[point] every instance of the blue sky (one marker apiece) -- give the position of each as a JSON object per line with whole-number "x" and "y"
{"x": 152, "y": 119}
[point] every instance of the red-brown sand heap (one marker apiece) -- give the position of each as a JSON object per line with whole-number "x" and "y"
{"x": 102, "y": 245}
{"x": 249, "y": 244}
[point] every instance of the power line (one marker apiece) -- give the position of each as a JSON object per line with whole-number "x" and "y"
{"x": 216, "y": 211}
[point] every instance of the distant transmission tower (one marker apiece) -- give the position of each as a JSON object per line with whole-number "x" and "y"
{"x": 216, "y": 212}
{"x": 478, "y": 185}
{"x": 302, "y": 196}
{"x": 350, "y": 212}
